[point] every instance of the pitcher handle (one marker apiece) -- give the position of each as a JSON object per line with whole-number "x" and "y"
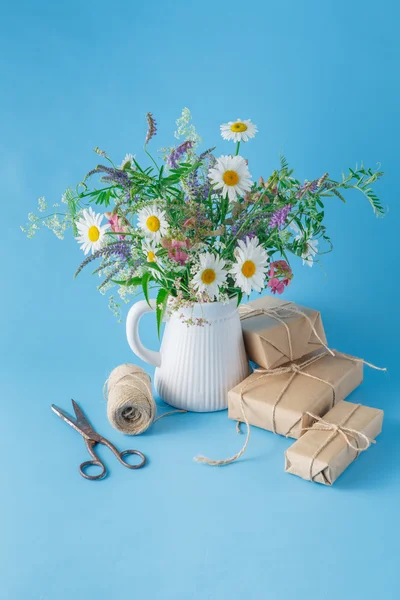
{"x": 132, "y": 332}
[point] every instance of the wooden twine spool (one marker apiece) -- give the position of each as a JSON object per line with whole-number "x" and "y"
{"x": 130, "y": 404}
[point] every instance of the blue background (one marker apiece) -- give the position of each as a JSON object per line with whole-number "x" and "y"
{"x": 321, "y": 81}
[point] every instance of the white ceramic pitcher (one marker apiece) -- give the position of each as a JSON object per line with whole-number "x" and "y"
{"x": 196, "y": 365}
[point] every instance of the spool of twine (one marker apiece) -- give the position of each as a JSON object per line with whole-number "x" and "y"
{"x": 130, "y": 404}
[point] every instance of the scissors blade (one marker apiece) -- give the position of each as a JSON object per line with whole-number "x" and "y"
{"x": 70, "y": 420}
{"x": 84, "y": 425}
{"x": 81, "y": 419}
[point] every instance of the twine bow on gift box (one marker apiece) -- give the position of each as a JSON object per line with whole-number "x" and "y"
{"x": 295, "y": 369}
{"x": 348, "y": 434}
{"x": 274, "y": 312}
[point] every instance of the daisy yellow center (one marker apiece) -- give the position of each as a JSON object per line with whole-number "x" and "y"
{"x": 93, "y": 233}
{"x": 151, "y": 257}
{"x": 208, "y": 276}
{"x": 238, "y": 127}
{"x": 230, "y": 178}
{"x": 153, "y": 223}
{"x": 248, "y": 268}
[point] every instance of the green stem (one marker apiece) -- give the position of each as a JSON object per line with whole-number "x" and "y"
{"x": 246, "y": 221}
{"x": 58, "y": 214}
{"x": 152, "y": 159}
{"x": 237, "y": 148}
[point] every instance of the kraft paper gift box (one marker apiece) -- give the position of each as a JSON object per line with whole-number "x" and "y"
{"x": 333, "y": 442}
{"x": 277, "y": 399}
{"x": 269, "y": 342}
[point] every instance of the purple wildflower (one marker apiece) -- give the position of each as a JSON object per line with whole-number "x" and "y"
{"x": 249, "y": 234}
{"x": 205, "y": 189}
{"x": 152, "y": 128}
{"x": 208, "y": 155}
{"x": 235, "y": 229}
{"x": 177, "y": 154}
{"x": 197, "y": 189}
{"x": 252, "y": 222}
{"x": 112, "y": 175}
{"x": 310, "y": 186}
{"x": 120, "y": 249}
{"x": 278, "y": 218}
{"x": 118, "y": 177}
{"x": 322, "y": 180}
{"x": 193, "y": 185}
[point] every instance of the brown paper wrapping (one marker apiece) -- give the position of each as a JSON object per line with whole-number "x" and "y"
{"x": 322, "y": 455}
{"x": 266, "y": 339}
{"x": 341, "y": 375}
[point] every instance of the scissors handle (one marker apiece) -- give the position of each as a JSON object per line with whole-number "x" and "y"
{"x": 120, "y": 455}
{"x": 95, "y": 462}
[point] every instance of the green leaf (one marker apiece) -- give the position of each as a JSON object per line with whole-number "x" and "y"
{"x": 100, "y": 198}
{"x": 153, "y": 265}
{"x": 239, "y": 298}
{"x": 161, "y": 301}
{"x": 339, "y": 195}
{"x": 284, "y": 162}
{"x": 134, "y": 281}
{"x": 145, "y": 285}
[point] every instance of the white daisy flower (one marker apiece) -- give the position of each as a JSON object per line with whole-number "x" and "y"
{"x": 211, "y": 275}
{"x": 152, "y": 222}
{"x": 238, "y": 131}
{"x": 150, "y": 249}
{"x": 231, "y": 174}
{"x": 127, "y": 162}
{"x": 250, "y": 268}
{"x": 310, "y": 246}
{"x": 311, "y": 250}
{"x": 91, "y": 231}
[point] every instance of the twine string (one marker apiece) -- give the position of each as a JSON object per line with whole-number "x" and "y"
{"x": 361, "y": 360}
{"x": 348, "y": 434}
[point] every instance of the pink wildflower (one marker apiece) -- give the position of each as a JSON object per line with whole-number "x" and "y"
{"x": 116, "y": 224}
{"x": 176, "y": 249}
{"x": 277, "y": 287}
{"x": 280, "y": 267}
{"x": 178, "y": 255}
{"x": 180, "y": 244}
{"x": 282, "y": 264}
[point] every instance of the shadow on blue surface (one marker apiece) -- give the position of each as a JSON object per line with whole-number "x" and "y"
{"x": 377, "y": 468}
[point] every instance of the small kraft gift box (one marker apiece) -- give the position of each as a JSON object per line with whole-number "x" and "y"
{"x": 276, "y": 332}
{"x": 331, "y": 443}
{"x": 277, "y": 399}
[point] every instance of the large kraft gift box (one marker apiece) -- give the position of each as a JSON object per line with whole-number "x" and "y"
{"x": 278, "y": 399}
{"x": 267, "y": 339}
{"x": 325, "y": 451}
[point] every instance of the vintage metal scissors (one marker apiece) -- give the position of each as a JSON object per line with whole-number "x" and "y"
{"x": 91, "y": 437}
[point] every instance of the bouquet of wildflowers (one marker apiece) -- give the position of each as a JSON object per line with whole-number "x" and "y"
{"x": 197, "y": 227}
